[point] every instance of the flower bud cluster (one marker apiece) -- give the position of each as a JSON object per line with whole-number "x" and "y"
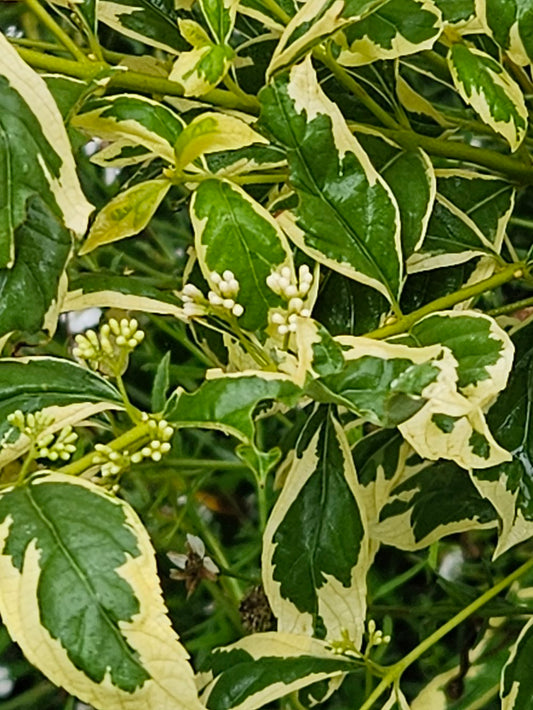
{"x": 223, "y": 295}
{"x": 61, "y": 448}
{"x": 110, "y": 346}
{"x": 113, "y": 462}
{"x": 375, "y": 637}
{"x": 47, "y": 446}
{"x": 293, "y": 291}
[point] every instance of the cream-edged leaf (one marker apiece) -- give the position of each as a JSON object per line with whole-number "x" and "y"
{"x": 220, "y": 16}
{"x": 315, "y": 21}
{"x": 105, "y": 638}
{"x": 127, "y": 213}
{"x": 200, "y": 70}
{"x": 484, "y": 84}
{"x": 227, "y": 403}
{"x": 131, "y": 121}
{"x": 396, "y": 29}
{"x": 35, "y": 154}
{"x": 510, "y": 24}
{"x": 516, "y": 687}
{"x": 430, "y": 501}
{"x": 152, "y": 22}
{"x": 314, "y": 570}
{"x": 261, "y": 668}
{"x": 346, "y": 216}
{"x": 235, "y": 233}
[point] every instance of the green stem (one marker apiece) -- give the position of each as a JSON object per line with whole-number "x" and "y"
{"x": 455, "y": 150}
{"x": 214, "y": 464}
{"x": 509, "y": 273}
{"x": 511, "y": 307}
{"x": 39, "y": 11}
{"x": 344, "y": 78}
{"x": 137, "y": 435}
{"x": 182, "y": 339}
{"x": 394, "y": 672}
{"x": 236, "y": 90}
{"x": 521, "y": 222}
{"x": 133, "y": 413}
{"x": 126, "y": 79}
{"x": 240, "y": 179}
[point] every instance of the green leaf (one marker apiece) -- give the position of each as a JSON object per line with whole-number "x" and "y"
{"x": 347, "y": 217}
{"x": 220, "y": 16}
{"x": 201, "y": 69}
{"x": 32, "y": 290}
{"x": 227, "y": 403}
{"x": 132, "y": 121}
{"x": 516, "y": 690}
{"x": 212, "y": 132}
{"x": 315, "y": 21}
{"x": 100, "y": 636}
{"x": 411, "y": 177}
{"x": 457, "y": 12}
{"x": 126, "y": 214}
{"x": 234, "y": 232}
{"x": 314, "y": 571}
{"x": 509, "y": 486}
{"x": 486, "y": 86}
{"x": 35, "y": 155}
{"x": 254, "y": 157}
{"x": 153, "y": 22}
{"x": 129, "y": 293}
{"x": 395, "y": 29}
{"x": 430, "y": 501}
{"x": 383, "y": 382}
{"x": 261, "y": 668}
{"x": 510, "y": 24}
{"x": 161, "y": 383}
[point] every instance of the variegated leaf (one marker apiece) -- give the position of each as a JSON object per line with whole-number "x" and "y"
{"x": 509, "y": 486}
{"x": 396, "y": 29}
{"x": 261, "y": 668}
{"x": 315, "y": 21}
{"x": 132, "y": 121}
{"x": 220, "y": 16}
{"x": 429, "y": 501}
{"x": 33, "y": 288}
{"x": 510, "y": 24}
{"x": 314, "y": 571}
{"x": 35, "y": 156}
{"x": 346, "y": 217}
{"x": 106, "y": 638}
{"x": 234, "y": 232}
{"x": 153, "y": 22}
{"x": 411, "y": 177}
{"x": 128, "y": 213}
{"x": 452, "y": 424}
{"x": 516, "y": 689}
{"x": 227, "y": 402}
{"x": 460, "y": 13}
{"x": 128, "y": 293}
{"x": 484, "y": 84}
{"x": 260, "y": 11}
{"x": 213, "y": 132}
{"x": 64, "y": 389}
{"x": 387, "y": 383}
{"x": 469, "y": 219}
{"x": 199, "y": 70}
{"x": 253, "y": 157}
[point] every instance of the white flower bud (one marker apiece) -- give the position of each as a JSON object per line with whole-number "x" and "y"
{"x": 237, "y": 310}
